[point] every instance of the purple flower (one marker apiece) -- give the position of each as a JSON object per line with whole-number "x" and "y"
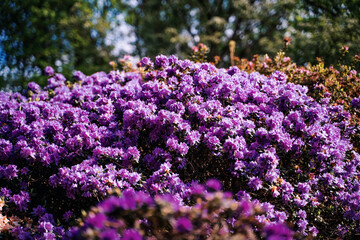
{"x": 59, "y": 231}
{"x": 183, "y": 149}
{"x": 131, "y": 234}
{"x": 246, "y": 208}
{"x": 355, "y": 103}
{"x": 9, "y": 171}
{"x": 302, "y": 223}
{"x": 280, "y": 216}
{"x": 24, "y": 171}
{"x": 161, "y": 61}
{"x": 5, "y": 148}
{"x": 45, "y": 227}
{"x": 280, "y": 76}
{"x": 39, "y": 211}
{"x": 214, "y": 185}
{"x": 313, "y": 231}
{"x": 96, "y": 220}
{"x": 157, "y": 133}
{"x": 172, "y": 143}
{"x": 277, "y": 232}
{"x": 49, "y": 71}
{"x": 233, "y": 70}
{"x": 59, "y": 77}
{"x": 302, "y": 214}
{"x": 134, "y": 153}
{"x": 213, "y": 141}
{"x": 173, "y": 59}
{"x": 134, "y": 178}
{"x": 67, "y": 215}
{"x": 255, "y": 183}
{"x": 304, "y": 187}
{"x": 47, "y": 217}
{"x": 146, "y": 62}
{"x": 5, "y": 192}
{"x": 328, "y": 178}
{"x": 184, "y": 64}
{"x": 111, "y": 234}
{"x": 184, "y": 225}
{"x": 34, "y": 87}
{"x": 243, "y": 196}
{"x": 21, "y": 200}
{"x": 79, "y": 76}
{"x": 197, "y": 189}
{"x": 49, "y": 236}
{"x": 300, "y": 202}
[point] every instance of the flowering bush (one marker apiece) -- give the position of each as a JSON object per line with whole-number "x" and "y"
{"x": 340, "y": 84}
{"x": 169, "y": 126}
{"x": 215, "y": 215}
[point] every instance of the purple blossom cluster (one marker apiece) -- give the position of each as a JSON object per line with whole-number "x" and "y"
{"x": 356, "y": 103}
{"x": 91, "y": 180}
{"x": 214, "y": 214}
{"x": 173, "y": 123}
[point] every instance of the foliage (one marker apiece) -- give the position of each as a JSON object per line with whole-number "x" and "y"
{"x": 320, "y": 28}
{"x": 317, "y": 28}
{"x": 66, "y": 33}
{"x": 199, "y": 53}
{"x": 169, "y": 27}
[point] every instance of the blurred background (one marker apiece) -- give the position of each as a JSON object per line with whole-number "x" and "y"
{"x": 86, "y": 35}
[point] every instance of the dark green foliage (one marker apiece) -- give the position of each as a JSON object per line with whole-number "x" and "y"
{"x": 171, "y": 26}
{"x": 320, "y": 28}
{"x": 68, "y": 34}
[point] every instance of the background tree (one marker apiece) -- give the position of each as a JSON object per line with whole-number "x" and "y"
{"x": 72, "y": 34}
{"x": 172, "y": 26}
{"x": 67, "y": 34}
{"x": 316, "y": 28}
{"x": 320, "y": 28}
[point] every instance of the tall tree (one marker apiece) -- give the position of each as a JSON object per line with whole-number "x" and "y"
{"x": 171, "y": 26}
{"x": 68, "y": 34}
{"x": 317, "y": 28}
{"x": 320, "y": 28}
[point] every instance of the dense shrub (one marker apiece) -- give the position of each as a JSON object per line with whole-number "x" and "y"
{"x": 215, "y": 215}
{"x": 167, "y": 127}
{"x": 341, "y": 83}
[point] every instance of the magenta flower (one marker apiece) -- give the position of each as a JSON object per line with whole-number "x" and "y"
{"x": 97, "y": 220}
{"x": 213, "y": 184}
{"x": 278, "y": 231}
{"x": 184, "y": 225}
{"x": 131, "y": 234}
